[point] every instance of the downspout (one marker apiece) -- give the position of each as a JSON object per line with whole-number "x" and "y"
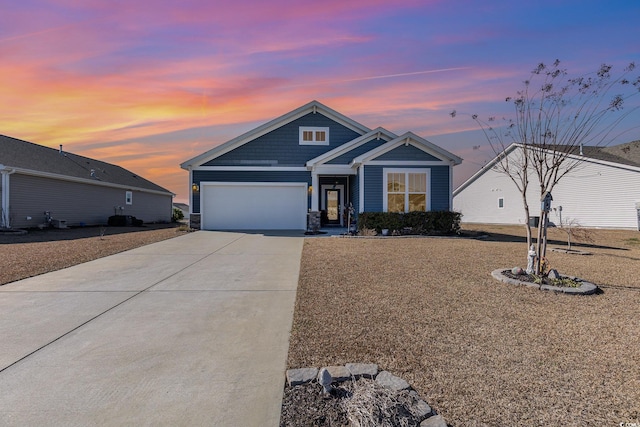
{"x": 4, "y": 220}
{"x": 451, "y": 163}
{"x": 315, "y": 187}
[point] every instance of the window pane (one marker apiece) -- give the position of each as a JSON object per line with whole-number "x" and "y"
{"x": 307, "y": 135}
{"x": 395, "y": 203}
{"x": 320, "y": 136}
{"x": 417, "y": 202}
{"x": 395, "y": 182}
{"x": 417, "y": 183}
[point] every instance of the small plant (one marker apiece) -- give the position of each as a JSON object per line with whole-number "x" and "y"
{"x": 575, "y": 231}
{"x": 367, "y": 232}
{"x": 177, "y": 215}
{"x": 565, "y": 282}
{"x": 185, "y": 227}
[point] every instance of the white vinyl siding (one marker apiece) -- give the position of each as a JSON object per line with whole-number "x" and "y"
{"x": 595, "y": 195}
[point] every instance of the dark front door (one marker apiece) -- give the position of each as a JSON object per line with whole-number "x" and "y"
{"x": 332, "y": 198}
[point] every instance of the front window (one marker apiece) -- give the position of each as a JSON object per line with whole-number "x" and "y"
{"x": 314, "y": 135}
{"x": 406, "y": 190}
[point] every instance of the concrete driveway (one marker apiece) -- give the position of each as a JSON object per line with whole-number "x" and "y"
{"x": 188, "y": 331}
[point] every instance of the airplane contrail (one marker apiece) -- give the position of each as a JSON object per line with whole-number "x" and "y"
{"x": 384, "y": 76}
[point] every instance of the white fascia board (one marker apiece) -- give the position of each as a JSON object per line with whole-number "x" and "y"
{"x": 334, "y": 170}
{"x": 252, "y": 184}
{"x": 434, "y": 149}
{"x": 604, "y": 162}
{"x": 408, "y": 163}
{"x": 88, "y": 181}
{"x": 416, "y": 141}
{"x": 312, "y": 107}
{"x": 378, "y": 133}
{"x": 485, "y": 168}
{"x": 252, "y": 168}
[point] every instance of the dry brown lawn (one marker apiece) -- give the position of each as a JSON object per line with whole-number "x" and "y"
{"x": 480, "y": 351}
{"x": 41, "y": 251}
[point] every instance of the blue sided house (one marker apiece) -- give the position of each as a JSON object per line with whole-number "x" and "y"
{"x": 314, "y": 161}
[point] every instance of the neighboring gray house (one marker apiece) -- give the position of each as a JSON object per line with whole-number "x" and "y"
{"x": 76, "y": 189}
{"x": 314, "y": 159}
{"x": 602, "y": 192}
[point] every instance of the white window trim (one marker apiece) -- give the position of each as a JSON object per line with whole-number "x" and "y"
{"x": 128, "y": 197}
{"x": 406, "y": 171}
{"x": 304, "y": 129}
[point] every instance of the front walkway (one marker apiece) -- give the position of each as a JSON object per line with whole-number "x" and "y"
{"x": 188, "y": 331}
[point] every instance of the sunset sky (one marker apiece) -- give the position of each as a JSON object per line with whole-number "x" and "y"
{"x": 149, "y": 84}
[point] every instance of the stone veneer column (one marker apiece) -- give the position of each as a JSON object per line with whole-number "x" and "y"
{"x": 194, "y": 221}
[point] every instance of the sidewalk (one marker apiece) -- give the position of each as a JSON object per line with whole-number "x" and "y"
{"x": 189, "y": 331}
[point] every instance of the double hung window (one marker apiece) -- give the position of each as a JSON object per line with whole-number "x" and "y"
{"x": 406, "y": 190}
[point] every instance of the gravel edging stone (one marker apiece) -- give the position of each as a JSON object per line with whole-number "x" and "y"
{"x": 301, "y": 376}
{"x": 388, "y": 380}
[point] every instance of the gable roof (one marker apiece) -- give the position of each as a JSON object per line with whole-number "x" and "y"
{"x": 27, "y": 157}
{"x": 416, "y": 141}
{"x": 610, "y": 156}
{"x": 377, "y": 133}
{"x": 311, "y": 107}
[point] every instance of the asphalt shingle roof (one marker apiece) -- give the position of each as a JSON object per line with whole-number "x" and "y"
{"x": 26, "y": 155}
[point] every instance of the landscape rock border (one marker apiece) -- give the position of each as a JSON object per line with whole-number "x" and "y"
{"x": 586, "y": 288}
{"x": 352, "y": 371}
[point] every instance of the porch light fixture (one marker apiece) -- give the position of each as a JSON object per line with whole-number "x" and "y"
{"x": 310, "y": 191}
{"x": 195, "y": 187}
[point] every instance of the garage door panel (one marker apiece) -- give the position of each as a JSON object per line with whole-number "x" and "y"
{"x": 253, "y": 206}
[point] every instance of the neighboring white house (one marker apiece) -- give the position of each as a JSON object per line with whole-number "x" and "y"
{"x": 602, "y": 192}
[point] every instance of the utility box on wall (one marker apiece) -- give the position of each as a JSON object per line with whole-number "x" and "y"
{"x": 638, "y": 212}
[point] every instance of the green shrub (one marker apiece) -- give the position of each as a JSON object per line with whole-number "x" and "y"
{"x": 432, "y": 222}
{"x": 177, "y": 215}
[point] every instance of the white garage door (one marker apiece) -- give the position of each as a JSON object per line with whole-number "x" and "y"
{"x": 253, "y": 205}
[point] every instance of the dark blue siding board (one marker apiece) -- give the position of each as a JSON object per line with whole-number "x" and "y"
{"x": 440, "y": 188}
{"x": 246, "y": 176}
{"x": 408, "y": 152}
{"x": 373, "y": 188}
{"x": 355, "y": 192}
{"x": 374, "y": 192}
{"x": 346, "y": 158}
{"x": 281, "y": 147}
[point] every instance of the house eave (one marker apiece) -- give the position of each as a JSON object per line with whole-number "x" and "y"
{"x": 88, "y": 181}
{"x": 413, "y": 139}
{"x": 377, "y": 133}
{"x": 312, "y": 107}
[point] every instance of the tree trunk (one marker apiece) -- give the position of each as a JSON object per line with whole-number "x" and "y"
{"x": 539, "y": 245}
{"x": 527, "y": 224}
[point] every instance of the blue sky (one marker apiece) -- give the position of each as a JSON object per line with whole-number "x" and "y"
{"x": 149, "y": 84}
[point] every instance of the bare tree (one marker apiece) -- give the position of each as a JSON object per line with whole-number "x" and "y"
{"x": 575, "y": 232}
{"x": 555, "y": 115}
